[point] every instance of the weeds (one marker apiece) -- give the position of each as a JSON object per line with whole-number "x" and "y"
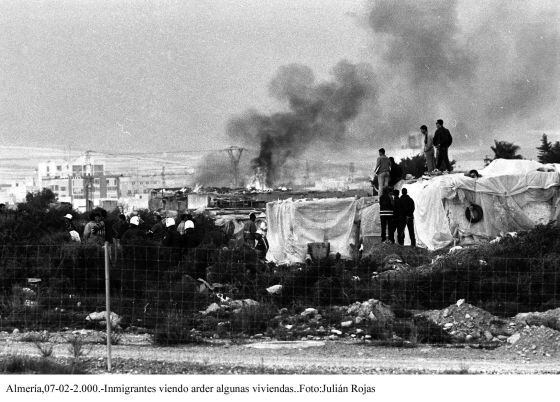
{"x": 17, "y": 364}
{"x": 116, "y": 338}
{"x": 76, "y": 347}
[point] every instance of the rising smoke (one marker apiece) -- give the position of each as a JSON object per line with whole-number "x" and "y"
{"x": 488, "y": 69}
{"x": 317, "y": 111}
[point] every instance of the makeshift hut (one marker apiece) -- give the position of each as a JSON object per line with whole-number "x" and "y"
{"x": 293, "y": 224}
{"x": 509, "y": 195}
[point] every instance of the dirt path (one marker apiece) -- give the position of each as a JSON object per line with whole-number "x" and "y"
{"x": 327, "y": 356}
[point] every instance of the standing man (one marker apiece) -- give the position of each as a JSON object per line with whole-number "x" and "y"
{"x": 428, "y": 149}
{"x": 442, "y": 142}
{"x": 250, "y": 231}
{"x": 393, "y": 223}
{"x": 386, "y": 215}
{"x": 382, "y": 170}
{"x": 406, "y": 212}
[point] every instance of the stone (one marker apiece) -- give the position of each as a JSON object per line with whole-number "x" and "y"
{"x": 100, "y": 317}
{"x": 446, "y": 313}
{"x": 257, "y": 336}
{"x": 468, "y": 316}
{"x": 502, "y": 337}
{"x": 367, "y": 336}
{"x": 346, "y": 324}
{"x": 358, "y": 320}
{"x": 488, "y": 335}
{"x": 460, "y": 302}
{"x": 275, "y": 289}
{"x": 514, "y": 338}
{"x": 309, "y": 312}
{"x": 469, "y": 338}
{"x": 336, "y": 332}
{"x": 448, "y": 325}
{"x": 213, "y": 308}
{"x": 332, "y": 337}
{"x": 15, "y": 331}
{"x": 359, "y": 331}
{"x": 288, "y": 327}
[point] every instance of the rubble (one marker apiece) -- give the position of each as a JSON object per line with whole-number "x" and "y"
{"x": 550, "y": 318}
{"x": 465, "y": 322}
{"x": 533, "y": 341}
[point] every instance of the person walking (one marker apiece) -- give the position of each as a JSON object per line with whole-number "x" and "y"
{"x": 406, "y": 218}
{"x": 428, "y": 149}
{"x": 382, "y": 170}
{"x": 386, "y": 216}
{"x": 442, "y": 142}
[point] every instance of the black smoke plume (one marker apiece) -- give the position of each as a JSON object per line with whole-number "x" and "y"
{"x": 486, "y": 68}
{"x": 317, "y": 111}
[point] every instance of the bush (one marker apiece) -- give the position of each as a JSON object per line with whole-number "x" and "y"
{"x": 175, "y": 329}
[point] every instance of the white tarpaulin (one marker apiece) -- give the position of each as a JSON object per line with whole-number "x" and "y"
{"x": 514, "y": 195}
{"x": 294, "y": 224}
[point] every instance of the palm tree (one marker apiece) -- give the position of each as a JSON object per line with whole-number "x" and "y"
{"x": 505, "y": 150}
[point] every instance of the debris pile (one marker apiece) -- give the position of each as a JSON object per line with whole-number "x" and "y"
{"x": 550, "y": 318}
{"x": 467, "y": 323}
{"x": 533, "y": 341}
{"x": 355, "y": 320}
{"x": 227, "y": 306}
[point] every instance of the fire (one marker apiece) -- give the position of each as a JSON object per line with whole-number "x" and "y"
{"x": 258, "y": 181}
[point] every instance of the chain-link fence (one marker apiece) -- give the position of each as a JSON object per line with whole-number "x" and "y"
{"x": 179, "y": 295}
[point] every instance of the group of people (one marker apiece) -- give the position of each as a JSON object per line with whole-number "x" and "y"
{"x": 164, "y": 232}
{"x": 441, "y": 141}
{"x": 395, "y": 214}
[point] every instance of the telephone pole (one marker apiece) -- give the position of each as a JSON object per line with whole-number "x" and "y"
{"x": 87, "y": 176}
{"x": 234, "y": 154}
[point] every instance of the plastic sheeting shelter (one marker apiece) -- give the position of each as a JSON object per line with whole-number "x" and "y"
{"x": 294, "y": 224}
{"x": 515, "y": 195}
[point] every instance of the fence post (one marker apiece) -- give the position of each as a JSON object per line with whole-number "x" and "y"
{"x": 107, "y": 306}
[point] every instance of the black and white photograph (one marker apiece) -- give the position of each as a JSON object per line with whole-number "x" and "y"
{"x": 308, "y": 199}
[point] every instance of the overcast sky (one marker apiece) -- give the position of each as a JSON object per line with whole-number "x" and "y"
{"x": 174, "y": 72}
{"x": 142, "y": 75}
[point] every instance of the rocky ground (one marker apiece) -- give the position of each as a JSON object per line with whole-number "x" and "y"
{"x": 341, "y": 339}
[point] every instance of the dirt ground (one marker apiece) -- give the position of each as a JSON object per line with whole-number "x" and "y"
{"x": 137, "y": 356}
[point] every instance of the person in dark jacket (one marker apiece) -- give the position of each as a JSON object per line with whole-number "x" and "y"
{"x": 393, "y": 223}
{"x": 406, "y": 218}
{"x": 157, "y": 232}
{"x": 396, "y": 173}
{"x": 119, "y": 227}
{"x": 171, "y": 238}
{"x": 133, "y": 235}
{"x": 442, "y": 142}
{"x": 386, "y": 215}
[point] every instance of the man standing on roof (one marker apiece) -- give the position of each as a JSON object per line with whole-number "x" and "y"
{"x": 382, "y": 170}
{"x": 442, "y": 142}
{"x": 386, "y": 215}
{"x": 428, "y": 149}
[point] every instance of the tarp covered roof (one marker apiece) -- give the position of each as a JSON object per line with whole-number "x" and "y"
{"x": 504, "y": 190}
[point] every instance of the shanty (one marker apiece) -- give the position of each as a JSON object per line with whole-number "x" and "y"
{"x": 287, "y": 187}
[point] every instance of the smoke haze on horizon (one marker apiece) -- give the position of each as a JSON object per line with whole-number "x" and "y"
{"x": 486, "y": 70}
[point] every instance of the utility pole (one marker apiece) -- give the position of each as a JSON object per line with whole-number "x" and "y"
{"x": 87, "y": 176}
{"x": 234, "y": 154}
{"x": 163, "y": 176}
